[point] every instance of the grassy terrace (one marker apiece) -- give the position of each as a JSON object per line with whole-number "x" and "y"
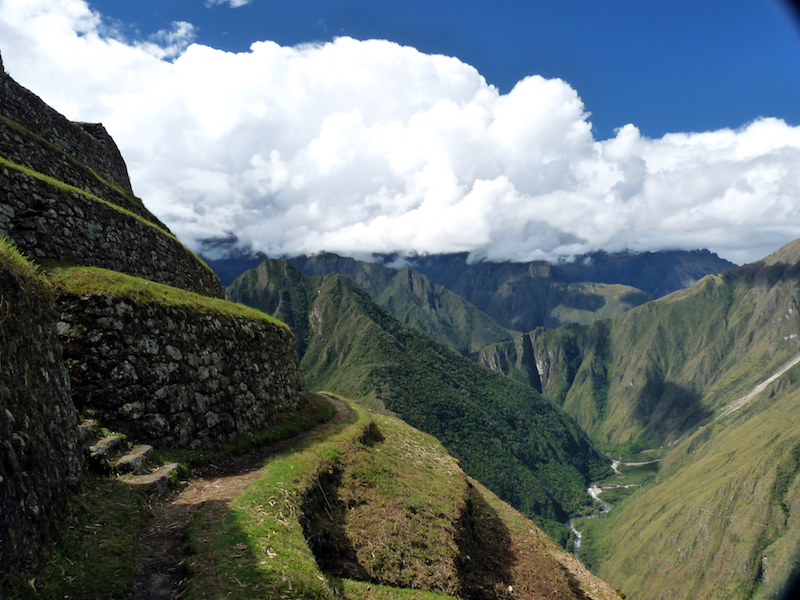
{"x": 401, "y": 492}
{"x": 95, "y": 556}
{"x": 81, "y": 281}
{"x": 124, "y": 212}
{"x": 20, "y": 130}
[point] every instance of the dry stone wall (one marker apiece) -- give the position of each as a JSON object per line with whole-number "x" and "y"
{"x": 20, "y": 146}
{"x": 89, "y": 143}
{"x": 39, "y": 450}
{"x": 176, "y": 376}
{"x": 49, "y": 222}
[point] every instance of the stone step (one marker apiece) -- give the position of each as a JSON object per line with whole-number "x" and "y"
{"x": 134, "y": 460}
{"x": 100, "y": 453}
{"x": 157, "y": 481}
{"x": 87, "y": 430}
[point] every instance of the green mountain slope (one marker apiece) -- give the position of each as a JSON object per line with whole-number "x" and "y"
{"x": 654, "y": 373}
{"x": 522, "y": 296}
{"x": 710, "y": 375}
{"x": 506, "y": 435}
{"x": 413, "y": 300}
{"x": 376, "y": 510}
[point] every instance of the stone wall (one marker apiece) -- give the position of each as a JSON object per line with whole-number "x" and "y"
{"x": 21, "y": 147}
{"x": 49, "y": 222}
{"x": 176, "y": 376}
{"x": 88, "y": 143}
{"x": 39, "y": 451}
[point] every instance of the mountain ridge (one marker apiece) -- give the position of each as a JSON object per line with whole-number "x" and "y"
{"x": 357, "y": 349}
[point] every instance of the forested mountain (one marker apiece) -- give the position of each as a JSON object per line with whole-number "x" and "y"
{"x": 505, "y": 434}
{"x": 413, "y": 300}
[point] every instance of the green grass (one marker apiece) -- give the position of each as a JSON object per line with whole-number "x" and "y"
{"x": 256, "y": 548}
{"x": 724, "y": 498}
{"x": 79, "y": 280}
{"x": 13, "y": 260}
{"x": 78, "y": 165}
{"x": 64, "y": 187}
{"x": 95, "y": 557}
{"x": 403, "y": 494}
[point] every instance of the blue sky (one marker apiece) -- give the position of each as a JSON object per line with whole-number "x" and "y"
{"x": 681, "y": 65}
{"x": 510, "y": 130}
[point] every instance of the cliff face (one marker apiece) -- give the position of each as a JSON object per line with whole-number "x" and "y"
{"x": 151, "y": 348}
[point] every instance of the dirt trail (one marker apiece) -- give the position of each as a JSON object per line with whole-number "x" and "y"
{"x": 161, "y": 554}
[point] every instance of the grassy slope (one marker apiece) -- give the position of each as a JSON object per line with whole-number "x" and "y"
{"x": 504, "y": 433}
{"x": 389, "y": 515}
{"x": 650, "y": 375}
{"x": 689, "y": 540}
{"x": 720, "y": 520}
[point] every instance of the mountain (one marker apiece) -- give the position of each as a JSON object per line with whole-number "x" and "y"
{"x": 653, "y": 373}
{"x": 656, "y": 273}
{"x": 505, "y": 434}
{"x": 517, "y": 296}
{"x": 727, "y": 497}
{"x": 707, "y": 379}
{"x": 523, "y": 296}
{"x": 104, "y": 311}
{"x": 412, "y": 299}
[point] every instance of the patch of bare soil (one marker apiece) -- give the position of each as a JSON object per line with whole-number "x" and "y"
{"x": 162, "y": 553}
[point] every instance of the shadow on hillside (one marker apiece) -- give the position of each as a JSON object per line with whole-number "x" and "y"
{"x": 761, "y": 275}
{"x": 485, "y": 551}
{"x": 666, "y": 409}
{"x": 323, "y": 520}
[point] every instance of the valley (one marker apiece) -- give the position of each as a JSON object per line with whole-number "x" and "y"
{"x": 416, "y": 427}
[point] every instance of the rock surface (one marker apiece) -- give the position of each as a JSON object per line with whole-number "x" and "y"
{"x": 176, "y": 376}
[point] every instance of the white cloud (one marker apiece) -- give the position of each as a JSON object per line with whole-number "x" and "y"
{"x": 233, "y": 3}
{"x": 367, "y": 146}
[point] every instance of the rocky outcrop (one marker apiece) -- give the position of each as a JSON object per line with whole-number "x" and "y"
{"x": 89, "y": 143}
{"x": 39, "y": 451}
{"x": 177, "y": 376}
{"x": 48, "y": 221}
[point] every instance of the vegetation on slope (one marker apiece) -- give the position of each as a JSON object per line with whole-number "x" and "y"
{"x": 379, "y": 510}
{"x": 505, "y": 434}
{"x": 95, "y": 557}
{"x": 720, "y": 521}
{"x": 706, "y": 372}
{"x": 652, "y": 374}
{"x": 413, "y": 300}
{"x": 79, "y": 280}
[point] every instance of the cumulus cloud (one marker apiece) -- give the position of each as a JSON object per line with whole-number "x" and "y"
{"x": 367, "y": 146}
